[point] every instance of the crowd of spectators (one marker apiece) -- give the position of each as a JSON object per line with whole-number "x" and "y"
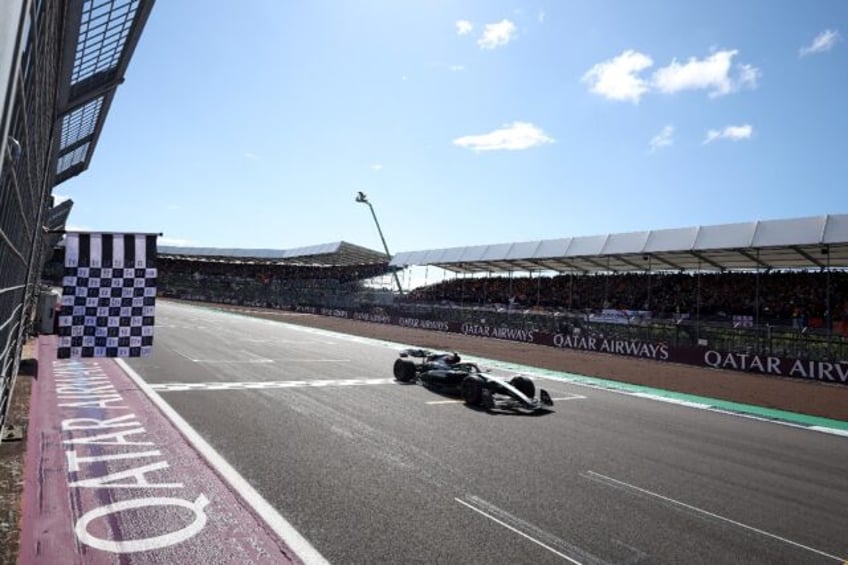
{"x": 262, "y": 284}
{"x": 559, "y": 303}
{"x": 800, "y": 299}
{"x": 797, "y": 298}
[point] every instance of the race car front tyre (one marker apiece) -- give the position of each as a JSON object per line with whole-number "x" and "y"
{"x": 524, "y": 385}
{"x": 472, "y": 390}
{"x": 404, "y": 370}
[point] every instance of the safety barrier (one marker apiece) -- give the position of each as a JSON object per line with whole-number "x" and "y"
{"x": 28, "y": 138}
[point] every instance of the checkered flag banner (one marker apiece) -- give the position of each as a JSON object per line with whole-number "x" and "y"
{"x": 108, "y": 295}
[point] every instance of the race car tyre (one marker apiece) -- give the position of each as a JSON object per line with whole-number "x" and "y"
{"x": 524, "y": 385}
{"x": 404, "y": 370}
{"x": 472, "y": 390}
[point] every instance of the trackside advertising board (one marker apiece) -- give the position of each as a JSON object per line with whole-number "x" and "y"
{"x": 834, "y": 372}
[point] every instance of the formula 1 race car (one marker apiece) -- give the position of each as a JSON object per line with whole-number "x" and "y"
{"x": 448, "y": 374}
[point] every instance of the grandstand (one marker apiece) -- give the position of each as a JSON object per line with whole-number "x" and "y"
{"x": 819, "y": 242}
{"x": 787, "y": 272}
{"x": 330, "y": 274}
{"x": 770, "y": 287}
{"x": 781, "y": 272}
{"x": 336, "y": 254}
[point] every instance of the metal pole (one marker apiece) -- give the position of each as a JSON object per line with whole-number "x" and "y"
{"x": 828, "y": 319}
{"x": 757, "y": 296}
{"x": 698, "y": 306}
{"x": 362, "y": 198}
{"x": 570, "y": 291}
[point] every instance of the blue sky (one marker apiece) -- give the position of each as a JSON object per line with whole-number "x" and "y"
{"x": 253, "y": 124}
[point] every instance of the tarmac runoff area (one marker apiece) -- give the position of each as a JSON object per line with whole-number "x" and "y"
{"x": 106, "y": 455}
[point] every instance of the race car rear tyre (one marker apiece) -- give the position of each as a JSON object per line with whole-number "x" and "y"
{"x": 472, "y": 390}
{"x": 404, "y": 370}
{"x": 524, "y": 385}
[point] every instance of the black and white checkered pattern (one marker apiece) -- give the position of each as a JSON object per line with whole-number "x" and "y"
{"x": 108, "y": 295}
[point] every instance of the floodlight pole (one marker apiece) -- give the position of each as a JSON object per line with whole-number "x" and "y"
{"x": 363, "y": 199}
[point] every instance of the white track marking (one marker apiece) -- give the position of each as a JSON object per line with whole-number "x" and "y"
{"x": 261, "y": 385}
{"x": 257, "y": 359}
{"x": 279, "y": 525}
{"x": 504, "y": 517}
{"x": 677, "y": 401}
{"x": 436, "y": 402}
{"x": 287, "y": 360}
{"x": 615, "y": 482}
{"x": 830, "y": 430}
{"x": 232, "y": 361}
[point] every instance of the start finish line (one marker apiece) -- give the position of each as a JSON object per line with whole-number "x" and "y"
{"x": 109, "y": 478}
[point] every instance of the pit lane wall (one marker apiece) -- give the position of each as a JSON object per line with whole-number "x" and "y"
{"x": 826, "y": 371}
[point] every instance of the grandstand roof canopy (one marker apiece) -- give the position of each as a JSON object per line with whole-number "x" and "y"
{"x": 797, "y": 243}
{"x": 339, "y": 254}
{"x": 98, "y": 40}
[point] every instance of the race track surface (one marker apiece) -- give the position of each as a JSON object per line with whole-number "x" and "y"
{"x": 372, "y": 471}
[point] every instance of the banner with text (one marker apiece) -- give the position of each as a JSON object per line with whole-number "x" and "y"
{"x": 763, "y": 364}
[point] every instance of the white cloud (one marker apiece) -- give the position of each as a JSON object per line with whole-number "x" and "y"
{"x": 514, "y": 136}
{"x": 664, "y": 138}
{"x": 251, "y": 156}
{"x": 733, "y": 133}
{"x": 497, "y": 35}
{"x": 748, "y": 76}
{"x": 176, "y": 242}
{"x": 457, "y": 68}
{"x": 712, "y": 73}
{"x": 59, "y": 198}
{"x": 377, "y": 167}
{"x": 464, "y": 27}
{"x": 541, "y": 16}
{"x": 617, "y": 79}
{"x": 620, "y": 78}
{"x": 825, "y": 41}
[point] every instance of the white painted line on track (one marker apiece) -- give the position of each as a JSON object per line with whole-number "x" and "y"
{"x": 300, "y": 360}
{"x": 261, "y": 361}
{"x": 279, "y": 525}
{"x": 672, "y": 400}
{"x": 515, "y": 524}
{"x": 569, "y": 397}
{"x": 617, "y": 483}
{"x": 435, "y": 402}
{"x": 232, "y": 361}
{"x": 833, "y": 431}
{"x": 254, "y": 385}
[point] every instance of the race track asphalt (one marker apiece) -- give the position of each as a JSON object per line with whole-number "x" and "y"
{"x": 372, "y": 471}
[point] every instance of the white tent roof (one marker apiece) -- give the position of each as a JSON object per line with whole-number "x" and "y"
{"x": 813, "y": 242}
{"x": 339, "y": 253}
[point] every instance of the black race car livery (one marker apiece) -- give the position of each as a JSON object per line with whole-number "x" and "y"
{"x": 448, "y": 373}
